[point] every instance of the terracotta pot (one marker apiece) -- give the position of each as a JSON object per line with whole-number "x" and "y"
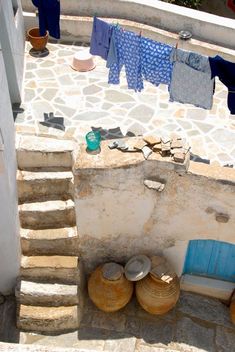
{"x": 232, "y": 309}
{"x": 110, "y": 294}
{"x": 156, "y": 296}
{"x": 38, "y": 42}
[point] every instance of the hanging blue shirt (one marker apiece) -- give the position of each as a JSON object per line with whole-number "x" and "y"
{"x": 128, "y": 56}
{"x": 225, "y": 70}
{"x": 49, "y": 17}
{"x": 100, "y": 38}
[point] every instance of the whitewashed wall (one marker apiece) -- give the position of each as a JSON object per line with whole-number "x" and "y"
{"x": 9, "y": 223}
{"x": 117, "y": 216}
{"x": 12, "y": 39}
{"x": 204, "y": 26}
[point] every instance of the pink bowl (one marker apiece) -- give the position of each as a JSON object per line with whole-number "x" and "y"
{"x": 83, "y": 61}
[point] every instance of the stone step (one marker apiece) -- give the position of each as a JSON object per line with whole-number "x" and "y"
{"x": 51, "y": 269}
{"x": 43, "y": 294}
{"x": 42, "y": 152}
{"x": 34, "y": 186}
{"x": 61, "y": 241}
{"x": 48, "y": 320}
{"x": 49, "y": 214}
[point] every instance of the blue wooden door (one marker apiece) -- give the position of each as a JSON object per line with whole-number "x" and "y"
{"x": 211, "y": 259}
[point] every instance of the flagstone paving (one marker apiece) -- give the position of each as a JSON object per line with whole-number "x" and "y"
{"x": 196, "y": 324}
{"x": 80, "y": 101}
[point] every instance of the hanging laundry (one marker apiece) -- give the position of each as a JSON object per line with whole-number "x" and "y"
{"x": 100, "y": 38}
{"x": 191, "y": 81}
{"x": 49, "y": 17}
{"x": 128, "y": 55}
{"x": 225, "y": 70}
{"x": 142, "y": 58}
{"x": 156, "y": 66}
{"x": 112, "y": 54}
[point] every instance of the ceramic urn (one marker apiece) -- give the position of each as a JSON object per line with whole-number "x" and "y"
{"x": 159, "y": 291}
{"x": 108, "y": 288}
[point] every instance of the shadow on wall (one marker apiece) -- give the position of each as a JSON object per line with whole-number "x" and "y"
{"x": 8, "y": 331}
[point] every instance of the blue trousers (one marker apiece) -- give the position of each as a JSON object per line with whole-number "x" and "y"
{"x": 49, "y": 17}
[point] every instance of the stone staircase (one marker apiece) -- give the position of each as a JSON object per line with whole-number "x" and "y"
{"x": 50, "y": 288}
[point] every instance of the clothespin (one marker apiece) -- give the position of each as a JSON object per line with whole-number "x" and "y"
{"x": 177, "y": 43}
{"x": 140, "y": 33}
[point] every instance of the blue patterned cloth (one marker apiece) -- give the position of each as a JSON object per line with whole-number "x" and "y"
{"x": 191, "y": 81}
{"x": 142, "y": 58}
{"x": 128, "y": 55}
{"x": 156, "y": 65}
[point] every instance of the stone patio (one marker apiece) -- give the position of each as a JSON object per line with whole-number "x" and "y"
{"x": 196, "y": 324}
{"x": 80, "y": 101}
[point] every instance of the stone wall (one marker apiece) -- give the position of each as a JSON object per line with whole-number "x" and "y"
{"x": 204, "y": 26}
{"x": 118, "y": 216}
{"x": 9, "y": 224}
{"x": 12, "y": 39}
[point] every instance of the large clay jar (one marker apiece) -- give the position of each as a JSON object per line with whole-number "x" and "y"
{"x": 38, "y": 42}
{"x": 108, "y": 288}
{"x": 232, "y": 309}
{"x": 157, "y": 294}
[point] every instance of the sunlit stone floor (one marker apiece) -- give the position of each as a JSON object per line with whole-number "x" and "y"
{"x": 80, "y": 101}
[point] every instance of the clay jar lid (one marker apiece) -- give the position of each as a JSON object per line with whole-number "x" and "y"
{"x": 161, "y": 269}
{"x": 112, "y": 271}
{"x": 137, "y": 267}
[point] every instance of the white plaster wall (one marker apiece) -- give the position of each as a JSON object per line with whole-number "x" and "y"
{"x": 9, "y": 223}
{"x": 12, "y": 40}
{"x": 204, "y": 26}
{"x": 117, "y": 216}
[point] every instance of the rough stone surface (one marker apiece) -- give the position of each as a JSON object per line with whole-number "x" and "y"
{"x": 157, "y": 186}
{"x": 63, "y": 269}
{"x": 48, "y": 214}
{"x": 204, "y": 308}
{"x": 33, "y": 152}
{"x": 49, "y": 320}
{"x": 225, "y": 340}
{"x": 33, "y": 186}
{"x": 191, "y": 333}
{"x": 39, "y": 294}
{"x": 223, "y": 218}
{"x": 133, "y": 329}
{"x": 49, "y": 241}
{"x": 2, "y": 299}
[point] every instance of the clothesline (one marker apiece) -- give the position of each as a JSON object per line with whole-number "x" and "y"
{"x": 190, "y": 76}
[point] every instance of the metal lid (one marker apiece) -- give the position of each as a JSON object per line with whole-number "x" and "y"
{"x": 137, "y": 267}
{"x": 112, "y": 271}
{"x": 185, "y": 35}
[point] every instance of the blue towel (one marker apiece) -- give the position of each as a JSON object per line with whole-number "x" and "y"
{"x": 225, "y": 70}
{"x": 100, "y": 38}
{"x": 49, "y": 17}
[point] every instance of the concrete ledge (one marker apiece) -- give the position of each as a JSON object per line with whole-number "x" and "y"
{"x": 207, "y": 286}
{"x": 114, "y": 159}
{"x": 204, "y": 26}
{"x": 75, "y": 28}
{"x": 10, "y": 347}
